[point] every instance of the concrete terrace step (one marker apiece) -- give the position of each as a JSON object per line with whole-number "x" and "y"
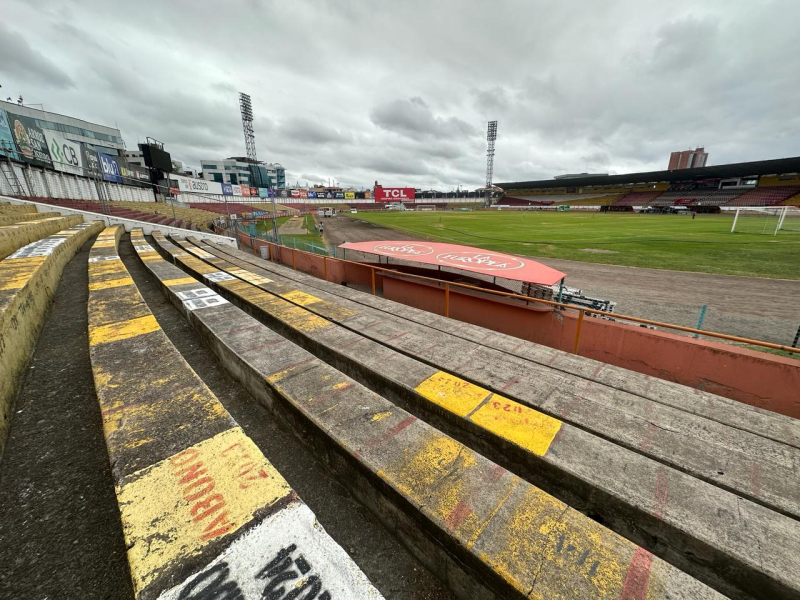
{"x": 724, "y": 455}
{"x": 716, "y": 408}
{"x": 485, "y": 531}
{"x": 13, "y": 237}
{"x": 26, "y": 216}
{"x": 28, "y": 280}
{"x": 691, "y": 523}
{"x": 205, "y": 515}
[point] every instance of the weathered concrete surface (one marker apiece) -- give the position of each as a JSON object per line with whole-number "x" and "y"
{"x": 190, "y": 484}
{"x": 717, "y": 408}
{"x": 26, "y": 216}
{"x": 13, "y": 237}
{"x": 534, "y": 545}
{"x": 752, "y": 466}
{"x": 673, "y": 514}
{"x": 391, "y": 568}
{"x": 60, "y": 533}
{"x": 28, "y": 281}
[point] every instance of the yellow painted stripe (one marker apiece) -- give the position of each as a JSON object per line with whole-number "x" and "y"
{"x": 517, "y": 423}
{"x": 249, "y": 277}
{"x": 452, "y": 393}
{"x": 179, "y": 281}
{"x": 111, "y": 283}
{"x": 122, "y": 330}
{"x": 301, "y": 298}
{"x": 104, "y": 244}
{"x": 206, "y": 492}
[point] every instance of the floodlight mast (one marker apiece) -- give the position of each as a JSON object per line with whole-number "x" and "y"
{"x": 246, "y": 108}
{"x": 491, "y": 136}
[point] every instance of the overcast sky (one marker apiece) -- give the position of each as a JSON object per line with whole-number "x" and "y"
{"x": 400, "y": 91}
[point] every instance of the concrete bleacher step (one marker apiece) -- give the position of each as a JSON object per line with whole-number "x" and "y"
{"x": 710, "y": 406}
{"x": 486, "y": 532}
{"x": 28, "y": 280}
{"x": 634, "y": 494}
{"x": 205, "y": 515}
{"x": 26, "y": 216}
{"x": 15, "y": 236}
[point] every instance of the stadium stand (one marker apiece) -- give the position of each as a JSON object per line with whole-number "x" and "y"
{"x": 13, "y": 237}
{"x": 205, "y": 514}
{"x": 222, "y": 208}
{"x": 637, "y": 199}
{"x": 150, "y": 212}
{"x": 469, "y": 519}
{"x": 765, "y": 196}
{"x": 27, "y": 216}
{"x": 28, "y": 279}
{"x": 497, "y": 425}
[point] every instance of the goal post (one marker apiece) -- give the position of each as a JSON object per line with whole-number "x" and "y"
{"x": 759, "y": 220}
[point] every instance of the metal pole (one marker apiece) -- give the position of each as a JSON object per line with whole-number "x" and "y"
{"x": 447, "y": 299}
{"x": 373, "y": 281}
{"x": 796, "y": 338}
{"x": 274, "y": 217}
{"x": 293, "y": 258}
{"x": 701, "y": 319}
{"x": 578, "y": 332}
{"x": 325, "y": 266}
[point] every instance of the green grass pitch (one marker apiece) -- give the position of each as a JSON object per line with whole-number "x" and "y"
{"x": 675, "y": 242}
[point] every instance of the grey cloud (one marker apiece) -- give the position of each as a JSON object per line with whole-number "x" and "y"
{"x": 302, "y": 129}
{"x": 28, "y": 64}
{"x": 415, "y": 119}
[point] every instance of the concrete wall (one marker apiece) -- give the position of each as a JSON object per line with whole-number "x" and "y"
{"x": 755, "y": 378}
{"x": 127, "y": 223}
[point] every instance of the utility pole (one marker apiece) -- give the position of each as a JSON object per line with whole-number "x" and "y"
{"x": 491, "y": 136}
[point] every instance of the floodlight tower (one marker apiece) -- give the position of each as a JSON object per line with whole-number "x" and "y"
{"x": 246, "y": 108}
{"x": 491, "y": 136}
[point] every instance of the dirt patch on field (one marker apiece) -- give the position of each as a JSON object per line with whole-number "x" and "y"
{"x": 598, "y": 251}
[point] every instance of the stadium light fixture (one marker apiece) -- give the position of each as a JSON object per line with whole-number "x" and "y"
{"x": 491, "y": 136}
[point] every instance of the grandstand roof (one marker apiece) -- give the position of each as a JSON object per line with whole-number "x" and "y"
{"x": 760, "y": 167}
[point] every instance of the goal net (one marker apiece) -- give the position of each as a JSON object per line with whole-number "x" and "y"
{"x": 767, "y": 220}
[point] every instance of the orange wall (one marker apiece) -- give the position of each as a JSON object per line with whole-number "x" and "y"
{"x": 756, "y": 378}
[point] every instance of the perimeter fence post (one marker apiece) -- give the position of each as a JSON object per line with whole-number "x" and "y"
{"x": 578, "y": 332}
{"x": 701, "y": 319}
{"x": 447, "y": 299}
{"x": 796, "y": 338}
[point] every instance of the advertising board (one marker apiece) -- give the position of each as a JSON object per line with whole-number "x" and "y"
{"x": 245, "y": 190}
{"x": 384, "y": 194}
{"x": 339, "y": 195}
{"x": 66, "y": 155}
{"x": 30, "y": 140}
{"x": 90, "y": 162}
{"x": 303, "y": 193}
{"x": 109, "y": 168}
{"x": 349, "y": 195}
{"x": 7, "y": 146}
{"x": 192, "y": 185}
{"x": 227, "y": 189}
{"x": 237, "y": 190}
{"x": 312, "y": 194}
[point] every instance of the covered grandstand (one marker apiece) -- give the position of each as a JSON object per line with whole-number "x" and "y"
{"x": 705, "y": 189}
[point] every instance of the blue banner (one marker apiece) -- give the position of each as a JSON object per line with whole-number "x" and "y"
{"x": 227, "y": 189}
{"x": 312, "y": 194}
{"x": 263, "y": 192}
{"x": 110, "y": 168}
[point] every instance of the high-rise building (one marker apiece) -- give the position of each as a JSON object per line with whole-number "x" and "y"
{"x": 240, "y": 170}
{"x": 688, "y": 159}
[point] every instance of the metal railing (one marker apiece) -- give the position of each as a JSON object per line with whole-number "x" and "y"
{"x": 582, "y": 311}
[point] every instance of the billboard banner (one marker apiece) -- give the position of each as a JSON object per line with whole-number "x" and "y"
{"x": 90, "y": 162}
{"x": 303, "y": 193}
{"x": 66, "y": 155}
{"x": 284, "y": 193}
{"x": 383, "y": 194}
{"x": 349, "y": 195}
{"x": 245, "y": 190}
{"x": 109, "y": 167}
{"x": 227, "y": 189}
{"x": 7, "y": 146}
{"x": 30, "y": 140}
{"x": 312, "y": 194}
{"x": 339, "y": 195}
{"x": 295, "y": 193}
{"x": 263, "y": 192}
{"x": 237, "y": 190}
{"x": 192, "y": 185}
{"x": 367, "y": 194}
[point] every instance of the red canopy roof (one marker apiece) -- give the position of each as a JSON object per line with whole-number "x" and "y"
{"x": 463, "y": 257}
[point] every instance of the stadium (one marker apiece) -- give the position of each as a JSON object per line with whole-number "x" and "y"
{"x": 217, "y": 386}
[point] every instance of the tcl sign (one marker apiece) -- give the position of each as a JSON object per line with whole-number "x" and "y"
{"x": 383, "y": 194}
